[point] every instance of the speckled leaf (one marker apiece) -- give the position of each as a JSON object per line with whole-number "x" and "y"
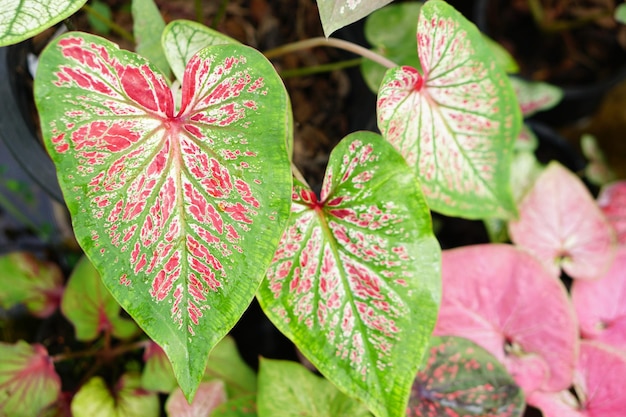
{"x": 148, "y": 25}
{"x": 502, "y": 57}
{"x": 600, "y": 305}
{"x": 460, "y": 379}
{"x": 455, "y": 123}
{"x": 534, "y": 97}
{"x": 503, "y": 299}
{"x": 562, "y": 226}
{"x": 26, "y": 280}
{"x": 28, "y": 381}
{"x": 238, "y": 407}
{"x": 336, "y": 14}
{"x": 599, "y": 386}
{"x": 209, "y": 396}
{"x": 288, "y": 389}
{"x": 91, "y": 308}
{"x": 355, "y": 281}
{"x": 126, "y": 399}
{"x": 183, "y": 38}
{"x": 20, "y": 20}
{"x": 612, "y": 202}
{"x": 180, "y": 210}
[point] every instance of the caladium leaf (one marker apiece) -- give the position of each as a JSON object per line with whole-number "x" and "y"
{"x": 502, "y": 57}
{"x": 562, "y": 226}
{"x": 459, "y": 378}
{"x": 36, "y": 284}
{"x": 128, "y": 399}
{"x": 612, "y": 202}
{"x": 148, "y": 25}
{"x": 455, "y": 123}
{"x": 28, "y": 381}
{"x": 183, "y": 38}
{"x": 288, "y": 389}
{"x": 20, "y": 20}
{"x": 180, "y": 210}
{"x": 336, "y": 14}
{"x": 237, "y": 407}
{"x": 598, "y": 383}
{"x": 157, "y": 372}
{"x": 359, "y": 266}
{"x": 209, "y": 396}
{"x": 597, "y": 171}
{"x": 226, "y": 365}
{"x": 91, "y": 308}
{"x": 600, "y": 305}
{"x": 503, "y": 299}
{"x": 535, "y": 96}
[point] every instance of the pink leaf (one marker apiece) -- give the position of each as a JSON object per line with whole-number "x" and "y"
{"x": 209, "y": 396}
{"x": 599, "y": 385}
{"x": 601, "y": 304}
{"x": 562, "y": 226}
{"x": 612, "y": 201}
{"x": 505, "y": 301}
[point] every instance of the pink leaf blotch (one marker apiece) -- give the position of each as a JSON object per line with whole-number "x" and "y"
{"x": 598, "y": 388}
{"x": 562, "y": 226}
{"x": 354, "y": 281}
{"x": 612, "y": 201}
{"x": 601, "y": 305}
{"x": 504, "y": 300}
{"x": 456, "y": 123}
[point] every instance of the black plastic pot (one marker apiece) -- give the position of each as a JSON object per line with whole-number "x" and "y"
{"x": 17, "y": 119}
{"x": 578, "y": 101}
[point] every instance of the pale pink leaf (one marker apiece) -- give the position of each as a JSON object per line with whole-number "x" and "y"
{"x": 612, "y": 201}
{"x": 209, "y": 396}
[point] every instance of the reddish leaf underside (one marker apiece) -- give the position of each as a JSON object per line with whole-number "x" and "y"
{"x": 612, "y": 201}
{"x": 460, "y": 379}
{"x": 561, "y": 225}
{"x": 179, "y": 210}
{"x": 359, "y": 266}
{"x": 28, "y": 381}
{"x": 502, "y": 299}
{"x": 456, "y": 123}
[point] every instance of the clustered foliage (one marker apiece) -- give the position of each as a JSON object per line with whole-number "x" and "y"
{"x": 174, "y": 162}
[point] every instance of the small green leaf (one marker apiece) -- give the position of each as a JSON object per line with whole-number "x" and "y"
{"x": 455, "y": 123}
{"x": 502, "y": 57}
{"x": 535, "y": 96}
{"x": 91, "y": 308}
{"x": 391, "y": 32}
{"x": 26, "y": 280}
{"x": 157, "y": 373}
{"x": 336, "y": 14}
{"x": 238, "y": 407}
{"x": 20, "y": 20}
{"x": 28, "y": 381}
{"x": 104, "y": 10}
{"x": 355, "y": 282}
{"x": 620, "y": 13}
{"x": 183, "y": 38}
{"x": 209, "y": 396}
{"x": 288, "y": 389}
{"x": 226, "y": 365}
{"x": 128, "y": 399}
{"x": 460, "y": 378}
{"x": 148, "y": 25}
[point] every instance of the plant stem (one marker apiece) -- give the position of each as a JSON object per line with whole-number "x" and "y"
{"x": 111, "y": 24}
{"x": 98, "y": 351}
{"x": 332, "y": 42}
{"x": 220, "y": 14}
{"x": 299, "y": 72}
{"x": 10, "y": 208}
{"x": 198, "y": 9}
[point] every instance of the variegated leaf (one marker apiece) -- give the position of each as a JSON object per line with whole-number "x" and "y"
{"x": 20, "y": 20}
{"x": 612, "y": 202}
{"x": 534, "y": 97}
{"x": 179, "y": 210}
{"x": 355, "y": 282}
{"x": 183, "y": 38}
{"x": 456, "y": 123}
{"x": 336, "y": 14}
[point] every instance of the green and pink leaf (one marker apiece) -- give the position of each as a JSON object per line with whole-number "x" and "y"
{"x": 170, "y": 205}
{"x": 209, "y": 396}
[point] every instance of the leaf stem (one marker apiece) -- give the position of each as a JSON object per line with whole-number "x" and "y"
{"x": 111, "y": 24}
{"x": 119, "y": 350}
{"x": 316, "y": 69}
{"x": 220, "y": 14}
{"x": 198, "y": 10}
{"x": 332, "y": 42}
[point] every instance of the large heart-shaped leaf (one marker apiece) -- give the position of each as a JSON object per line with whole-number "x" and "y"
{"x": 459, "y": 378}
{"x": 179, "y": 210}
{"x": 28, "y": 381}
{"x": 36, "y": 284}
{"x": 91, "y": 308}
{"x": 288, "y": 389}
{"x": 563, "y": 227}
{"x": 20, "y": 20}
{"x": 456, "y": 123}
{"x": 505, "y": 301}
{"x": 355, "y": 281}
{"x": 336, "y": 14}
